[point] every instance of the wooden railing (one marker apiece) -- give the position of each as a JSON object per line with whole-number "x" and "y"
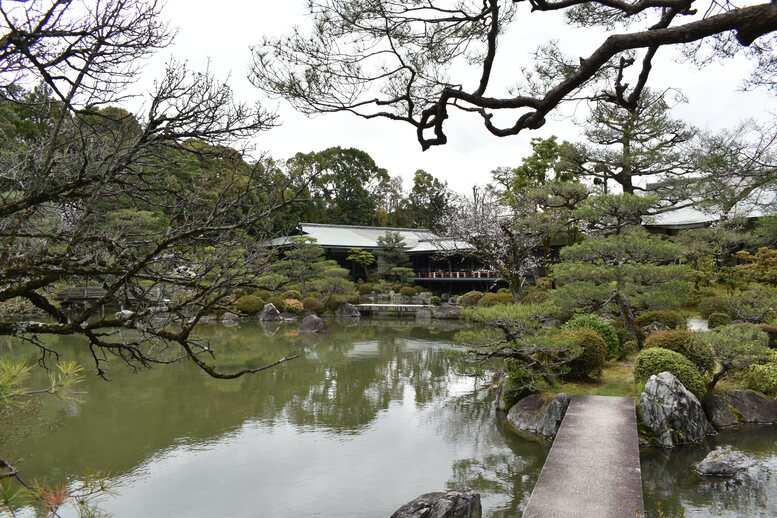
{"x": 476, "y": 274}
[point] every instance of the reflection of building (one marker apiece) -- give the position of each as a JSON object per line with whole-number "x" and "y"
{"x": 438, "y": 263}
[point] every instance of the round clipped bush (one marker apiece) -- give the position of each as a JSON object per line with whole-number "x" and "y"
{"x": 603, "y": 329}
{"x": 688, "y": 344}
{"x": 278, "y": 303}
{"x": 493, "y": 299}
{"x": 762, "y": 378}
{"x": 262, "y": 294}
{"x": 709, "y": 305}
{"x": 593, "y": 348}
{"x": 671, "y": 319}
{"x": 419, "y": 290}
{"x": 249, "y": 304}
{"x": 471, "y": 298}
{"x": 396, "y": 288}
{"x": 293, "y": 306}
{"x": 718, "y": 320}
{"x": 292, "y": 294}
{"x": 536, "y": 297}
{"x": 313, "y": 304}
{"x": 656, "y": 360}
{"x": 435, "y": 300}
{"x": 407, "y": 291}
{"x": 366, "y": 288}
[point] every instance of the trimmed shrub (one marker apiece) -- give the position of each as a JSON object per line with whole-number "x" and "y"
{"x": 293, "y": 306}
{"x": 544, "y": 283}
{"x": 435, "y": 300}
{"x": 419, "y": 290}
{"x": 471, "y": 298}
{"x": 671, "y": 319}
{"x": 313, "y": 304}
{"x": 492, "y": 299}
{"x": 366, "y": 288}
{"x": 249, "y": 304}
{"x": 602, "y": 328}
{"x": 762, "y": 378}
{"x": 396, "y": 288}
{"x": 407, "y": 291}
{"x": 503, "y": 290}
{"x": 278, "y": 303}
{"x": 536, "y": 297}
{"x": 709, "y": 305}
{"x": 718, "y": 320}
{"x": 593, "y": 348}
{"x": 262, "y": 294}
{"x": 656, "y": 360}
{"x": 292, "y": 294}
{"x": 688, "y": 344}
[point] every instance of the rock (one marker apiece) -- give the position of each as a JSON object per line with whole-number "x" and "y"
{"x": 551, "y": 323}
{"x": 124, "y": 314}
{"x": 204, "y": 319}
{"x": 457, "y": 503}
{"x": 348, "y": 311}
{"x": 425, "y": 297}
{"x": 734, "y": 407}
{"x": 722, "y": 462}
{"x": 425, "y": 312}
{"x": 269, "y": 312}
{"x": 671, "y": 413}
{"x": 534, "y": 415}
{"x": 654, "y": 326}
{"x": 313, "y": 324}
{"x": 446, "y": 312}
{"x": 229, "y": 316}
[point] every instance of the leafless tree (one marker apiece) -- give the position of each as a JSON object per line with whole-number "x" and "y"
{"x": 145, "y": 207}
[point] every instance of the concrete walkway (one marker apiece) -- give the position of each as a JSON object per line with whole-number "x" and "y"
{"x": 592, "y": 469}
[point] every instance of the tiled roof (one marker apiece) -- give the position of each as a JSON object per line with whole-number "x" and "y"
{"x": 350, "y": 236}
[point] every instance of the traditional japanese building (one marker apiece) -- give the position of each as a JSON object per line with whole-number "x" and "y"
{"x": 439, "y": 263}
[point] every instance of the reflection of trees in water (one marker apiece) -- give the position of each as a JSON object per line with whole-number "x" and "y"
{"x": 135, "y": 416}
{"x": 503, "y": 467}
{"x": 669, "y": 480}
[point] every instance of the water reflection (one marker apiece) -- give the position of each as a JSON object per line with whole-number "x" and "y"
{"x": 669, "y": 480}
{"x": 369, "y": 417}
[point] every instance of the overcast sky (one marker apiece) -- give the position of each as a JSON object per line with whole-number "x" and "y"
{"x": 223, "y": 32}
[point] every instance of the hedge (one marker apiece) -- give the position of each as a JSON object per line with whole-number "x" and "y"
{"x": 688, "y": 344}
{"x": 249, "y": 304}
{"x": 603, "y": 329}
{"x": 591, "y": 359}
{"x": 493, "y": 299}
{"x": 656, "y": 360}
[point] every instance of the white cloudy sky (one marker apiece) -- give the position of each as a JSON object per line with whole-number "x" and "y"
{"x": 222, "y": 32}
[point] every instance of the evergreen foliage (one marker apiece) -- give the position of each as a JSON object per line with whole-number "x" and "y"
{"x": 656, "y": 360}
{"x": 605, "y": 330}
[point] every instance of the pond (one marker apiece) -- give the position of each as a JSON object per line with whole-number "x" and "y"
{"x": 371, "y": 416}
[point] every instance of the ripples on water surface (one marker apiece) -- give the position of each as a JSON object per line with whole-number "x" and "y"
{"x": 371, "y": 416}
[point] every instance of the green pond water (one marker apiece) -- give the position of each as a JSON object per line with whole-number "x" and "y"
{"x": 371, "y": 416}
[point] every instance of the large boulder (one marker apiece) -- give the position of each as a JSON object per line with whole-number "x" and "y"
{"x": 734, "y": 407}
{"x": 348, "y": 311}
{"x": 269, "y": 313}
{"x": 671, "y": 414}
{"x": 536, "y": 416}
{"x": 722, "y": 462}
{"x": 313, "y": 324}
{"x": 446, "y": 312}
{"x": 457, "y": 503}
